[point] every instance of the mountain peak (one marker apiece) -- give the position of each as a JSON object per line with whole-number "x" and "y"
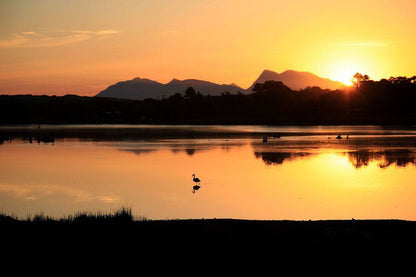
{"x": 266, "y": 75}
{"x": 294, "y": 72}
{"x": 142, "y": 80}
{"x": 174, "y": 80}
{"x": 297, "y": 80}
{"x": 267, "y": 71}
{"x": 290, "y": 71}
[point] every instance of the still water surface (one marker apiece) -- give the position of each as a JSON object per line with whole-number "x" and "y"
{"x": 304, "y": 174}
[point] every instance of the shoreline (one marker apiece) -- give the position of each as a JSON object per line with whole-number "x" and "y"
{"x": 119, "y": 239}
{"x": 131, "y": 131}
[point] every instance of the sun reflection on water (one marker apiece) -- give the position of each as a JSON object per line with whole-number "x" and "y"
{"x": 241, "y": 178}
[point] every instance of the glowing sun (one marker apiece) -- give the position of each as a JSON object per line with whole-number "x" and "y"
{"x": 343, "y": 67}
{"x": 344, "y": 73}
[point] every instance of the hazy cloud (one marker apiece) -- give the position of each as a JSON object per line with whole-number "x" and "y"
{"x": 363, "y": 44}
{"x": 98, "y": 33}
{"x": 52, "y": 38}
{"x": 28, "y": 33}
{"x": 108, "y": 199}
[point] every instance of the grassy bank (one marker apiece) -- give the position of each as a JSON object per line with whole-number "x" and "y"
{"x": 120, "y": 216}
{"x": 119, "y": 238}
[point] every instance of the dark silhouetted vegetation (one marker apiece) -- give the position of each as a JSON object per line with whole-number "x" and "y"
{"x": 388, "y": 101}
{"x": 117, "y": 239}
{"x": 122, "y": 215}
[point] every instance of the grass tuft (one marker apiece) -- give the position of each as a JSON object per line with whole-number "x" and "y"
{"x": 122, "y": 215}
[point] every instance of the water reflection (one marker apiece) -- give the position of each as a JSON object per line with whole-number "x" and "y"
{"x": 4, "y": 139}
{"x": 399, "y": 157}
{"x": 46, "y": 139}
{"x": 360, "y": 150}
{"x": 360, "y": 153}
{"x": 177, "y": 146}
{"x": 363, "y": 177}
{"x": 139, "y": 151}
{"x": 358, "y": 159}
{"x": 117, "y": 132}
{"x": 43, "y": 138}
{"x": 276, "y": 158}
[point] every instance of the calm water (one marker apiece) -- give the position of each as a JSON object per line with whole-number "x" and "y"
{"x": 304, "y": 174}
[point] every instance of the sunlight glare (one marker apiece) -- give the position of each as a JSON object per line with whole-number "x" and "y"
{"x": 344, "y": 71}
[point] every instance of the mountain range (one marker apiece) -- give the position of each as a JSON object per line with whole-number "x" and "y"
{"x": 142, "y": 88}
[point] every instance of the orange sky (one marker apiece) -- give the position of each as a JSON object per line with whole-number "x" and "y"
{"x": 81, "y": 47}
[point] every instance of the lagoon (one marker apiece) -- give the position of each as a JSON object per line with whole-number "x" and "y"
{"x": 305, "y": 174}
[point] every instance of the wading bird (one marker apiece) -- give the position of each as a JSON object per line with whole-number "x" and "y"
{"x": 195, "y": 179}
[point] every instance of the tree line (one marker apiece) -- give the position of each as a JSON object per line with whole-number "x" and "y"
{"x": 388, "y": 101}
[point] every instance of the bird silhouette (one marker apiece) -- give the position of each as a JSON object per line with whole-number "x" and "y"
{"x": 196, "y": 180}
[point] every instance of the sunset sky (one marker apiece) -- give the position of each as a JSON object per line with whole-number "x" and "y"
{"x": 83, "y": 46}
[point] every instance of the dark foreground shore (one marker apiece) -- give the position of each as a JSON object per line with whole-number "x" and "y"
{"x": 144, "y": 242}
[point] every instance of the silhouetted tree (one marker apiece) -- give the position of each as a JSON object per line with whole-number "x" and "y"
{"x": 190, "y": 92}
{"x": 358, "y": 79}
{"x": 177, "y": 96}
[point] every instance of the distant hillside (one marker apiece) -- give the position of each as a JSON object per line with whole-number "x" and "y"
{"x": 139, "y": 89}
{"x": 298, "y": 80}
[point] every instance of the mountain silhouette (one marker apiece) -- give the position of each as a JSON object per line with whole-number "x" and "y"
{"x": 139, "y": 89}
{"x": 297, "y": 80}
{"x": 142, "y": 88}
{"x": 133, "y": 89}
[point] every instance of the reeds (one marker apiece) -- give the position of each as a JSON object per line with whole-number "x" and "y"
{"x": 122, "y": 215}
